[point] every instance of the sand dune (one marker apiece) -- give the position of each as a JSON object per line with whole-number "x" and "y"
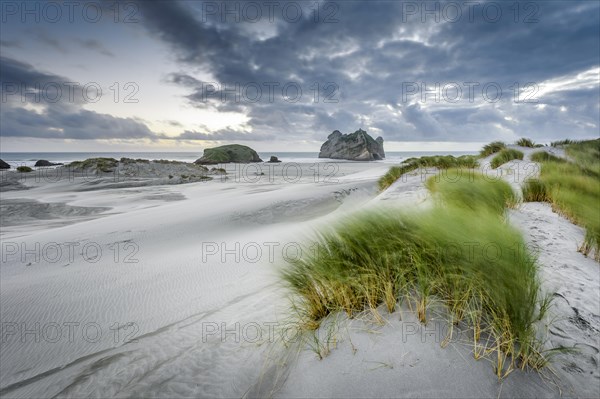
{"x": 172, "y": 291}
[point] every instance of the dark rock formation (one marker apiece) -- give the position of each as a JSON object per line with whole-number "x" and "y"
{"x": 274, "y": 159}
{"x": 357, "y": 146}
{"x": 234, "y": 153}
{"x": 43, "y": 162}
{"x": 4, "y": 165}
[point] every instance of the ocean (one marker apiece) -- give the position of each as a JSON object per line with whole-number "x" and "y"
{"x": 29, "y": 158}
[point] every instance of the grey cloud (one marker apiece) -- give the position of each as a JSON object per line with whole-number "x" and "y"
{"x": 10, "y": 43}
{"x": 80, "y": 125}
{"x": 383, "y": 58}
{"x": 95, "y": 45}
{"x": 57, "y": 120}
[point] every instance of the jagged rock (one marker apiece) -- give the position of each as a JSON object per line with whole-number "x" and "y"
{"x": 357, "y": 146}
{"x": 43, "y": 162}
{"x": 274, "y": 159}
{"x": 379, "y": 141}
{"x": 4, "y": 165}
{"x": 234, "y": 153}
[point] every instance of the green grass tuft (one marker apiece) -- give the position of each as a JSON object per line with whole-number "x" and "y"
{"x": 440, "y": 162}
{"x": 561, "y": 143}
{"x": 525, "y": 142}
{"x": 504, "y": 156}
{"x": 535, "y": 190}
{"x": 573, "y": 189}
{"x": 470, "y": 190}
{"x": 543, "y": 156}
{"x": 460, "y": 253}
{"x": 491, "y": 148}
{"x": 24, "y": 169}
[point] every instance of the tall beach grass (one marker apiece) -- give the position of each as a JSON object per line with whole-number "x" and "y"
{"x": 440, "y": 162}
{"x": 491, "y": 148}
{"x": 525, "y": 142}
{"x": 506, "y": 155}
{"x": 460, "y": 253}
{"x": 573, "y": 189}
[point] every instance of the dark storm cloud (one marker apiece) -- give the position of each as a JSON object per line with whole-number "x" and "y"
{"x": 10, "y": 43}
{"x": 369, "y": 52}
{"x": 82, "y": 124}
{"x": 376, "y": 47}
{"x": 64, "y": 120}
{"x": 16, "y": 72}
{"x": 423, "y": 121}
{"x": 224, "y": 134}
{"x": 173, "y": 22}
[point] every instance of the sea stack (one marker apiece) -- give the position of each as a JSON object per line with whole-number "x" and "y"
{"x": 234, "y": 153}
{"x": 357, "y": 146}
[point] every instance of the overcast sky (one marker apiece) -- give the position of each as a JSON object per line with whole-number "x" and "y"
{"x": 279, "y": 75}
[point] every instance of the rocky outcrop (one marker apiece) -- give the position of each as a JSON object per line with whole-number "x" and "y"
{"x": 273, "y": 159}
{"x": 357, "y": 146}
{"x": 43, "y": 162}
{"x": 4, "y": 165}
{"x": 379, "y": 141}
{"x": 233, "y": 153}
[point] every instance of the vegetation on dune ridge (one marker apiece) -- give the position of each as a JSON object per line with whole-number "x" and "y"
{"x": 560, "y": 143}
{"x": 572, "y": 188}
{"x": 544, "y": 156}
{"x": 491, "y": 148}
{"x": 506, "y": 155}
{"x": 525, "y": 142}
{"x": 105, "y": 165}
{"x": 440, "y": 162}
{"x": 472, "y": 191}
{"x": 387, "y": 257}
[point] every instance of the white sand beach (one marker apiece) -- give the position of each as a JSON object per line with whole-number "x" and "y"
{"x": 173, "y": 291}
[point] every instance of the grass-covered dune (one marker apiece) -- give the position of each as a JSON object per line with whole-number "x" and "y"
{"x": 572, "y": 188}
{"x": 440, "y": 162}
{"x": 525, "y": 142}
{"x": 461, "y": 254}
{"x": 506, "y": 155}
{"x": 491, "y": 148}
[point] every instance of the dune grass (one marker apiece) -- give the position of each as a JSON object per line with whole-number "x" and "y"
{"x": 525, "y": 142}
{"x": 587, "y": 155}
{"x": 560, "y": 143}
{"x": 472, "y": 190}
{"x": 459, "y": 253}
{"x": 543, "y": 156}
{"x": 504, "y": 156}
{"x": 573, "y": 189}
{"x": 440, "y": 162}
{"x": 491, "y": 148}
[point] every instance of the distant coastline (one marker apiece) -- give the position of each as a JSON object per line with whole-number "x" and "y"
{"x": 29, "y": 158}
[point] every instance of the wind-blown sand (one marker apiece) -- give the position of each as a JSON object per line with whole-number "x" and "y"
{"x": 172, "y": 308}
